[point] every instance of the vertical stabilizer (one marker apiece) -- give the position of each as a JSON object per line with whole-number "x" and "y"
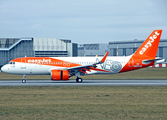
{"x": 150, "y": 45}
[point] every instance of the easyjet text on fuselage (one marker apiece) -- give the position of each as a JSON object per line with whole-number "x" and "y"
{"x": 39, "y": 60}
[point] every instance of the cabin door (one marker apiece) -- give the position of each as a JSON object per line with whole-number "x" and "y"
{"x": 23, "y": 63}
{"x": 131, "y": 63}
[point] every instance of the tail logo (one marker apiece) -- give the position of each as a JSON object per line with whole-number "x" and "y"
{"x": 149, "y": 43}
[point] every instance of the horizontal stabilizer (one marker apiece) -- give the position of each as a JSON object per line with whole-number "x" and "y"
{"x": 157, "y": 60}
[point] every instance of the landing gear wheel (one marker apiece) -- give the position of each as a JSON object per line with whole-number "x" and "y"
{"x": 23, "y": 81}
{"x": 79, "y": 80}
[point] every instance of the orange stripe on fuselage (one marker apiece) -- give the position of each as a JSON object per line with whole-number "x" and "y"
{"x": 46, "y": 61}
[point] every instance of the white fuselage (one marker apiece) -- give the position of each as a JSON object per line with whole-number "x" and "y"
{"x": 44, "y": 68}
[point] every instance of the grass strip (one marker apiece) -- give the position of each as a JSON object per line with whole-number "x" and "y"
{"x": 83, "y": 103}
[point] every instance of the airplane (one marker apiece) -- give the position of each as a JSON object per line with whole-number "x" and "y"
{"x": 62, "y": 68}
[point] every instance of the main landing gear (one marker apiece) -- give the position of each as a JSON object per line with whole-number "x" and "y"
{"x": 79, "y": 80}
{"x": 24, "y": 79}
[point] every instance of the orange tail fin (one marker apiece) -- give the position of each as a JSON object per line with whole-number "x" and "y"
{"x": 150, "y": 45}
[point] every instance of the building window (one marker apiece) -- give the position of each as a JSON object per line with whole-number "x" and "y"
{"x": 161, "y": 52}
{"x": 114, "y": 52}
{"x": 134, "y": 50}
{"x": 124, "y": 51}
{"x": 51, "y": 53}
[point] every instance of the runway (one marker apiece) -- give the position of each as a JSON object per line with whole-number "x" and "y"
{"x": 84, "y": 83}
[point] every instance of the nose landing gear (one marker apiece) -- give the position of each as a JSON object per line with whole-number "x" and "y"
{"x": 24, "y": 79}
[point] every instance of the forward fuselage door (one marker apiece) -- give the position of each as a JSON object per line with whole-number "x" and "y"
{"x": 23, "y": 63}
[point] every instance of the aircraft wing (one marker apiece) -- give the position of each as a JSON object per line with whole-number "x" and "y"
{"x": 89, "y": 67}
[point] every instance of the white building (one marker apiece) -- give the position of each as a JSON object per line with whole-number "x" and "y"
{"x": 53, "y": 47}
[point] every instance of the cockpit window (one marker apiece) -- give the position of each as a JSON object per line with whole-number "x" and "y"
{"x": 12, "y": 63}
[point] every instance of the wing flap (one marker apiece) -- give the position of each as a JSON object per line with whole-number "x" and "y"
{"x": 89, "y": 67}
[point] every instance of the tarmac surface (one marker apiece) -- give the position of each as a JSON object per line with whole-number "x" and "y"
{"x": 84, "y": 83}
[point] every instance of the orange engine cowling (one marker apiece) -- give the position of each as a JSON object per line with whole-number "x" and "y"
{"x": 59, "y": 75}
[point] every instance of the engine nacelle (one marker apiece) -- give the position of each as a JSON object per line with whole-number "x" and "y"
{"x": 59, "y": 75}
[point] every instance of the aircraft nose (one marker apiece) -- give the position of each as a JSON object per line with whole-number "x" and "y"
{"x": 4, "y": 68}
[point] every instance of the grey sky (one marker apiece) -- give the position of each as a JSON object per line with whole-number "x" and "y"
{"x": 83, "y": 21}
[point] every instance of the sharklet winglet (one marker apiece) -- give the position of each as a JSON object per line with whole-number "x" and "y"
{"x": 104, "y": 58}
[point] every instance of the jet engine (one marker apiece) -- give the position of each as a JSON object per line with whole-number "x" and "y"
{"x": 59, "y": 75}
